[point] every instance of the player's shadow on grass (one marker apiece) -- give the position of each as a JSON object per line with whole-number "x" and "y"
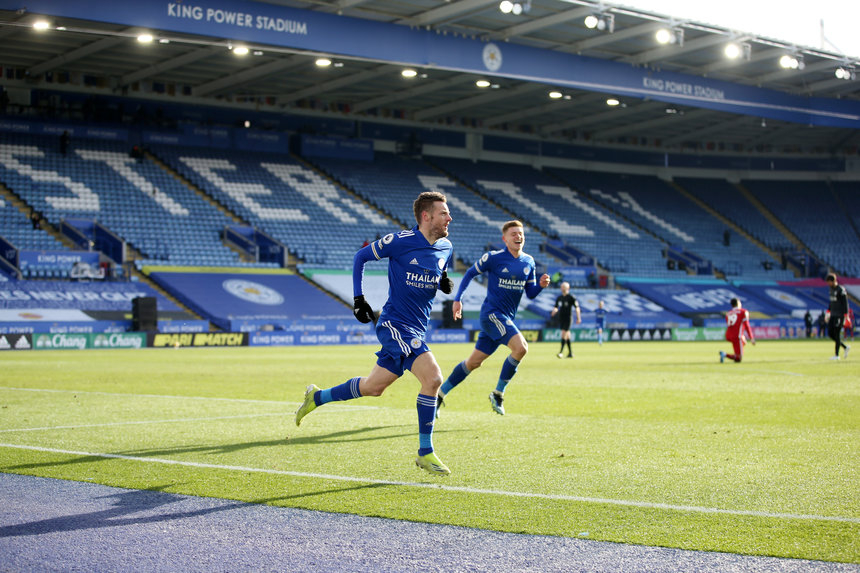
{"x": 141, "y": 501}
{"x": 344, "y": 436}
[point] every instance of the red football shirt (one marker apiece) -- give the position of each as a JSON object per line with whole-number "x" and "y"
{"x": 738, "y": 321}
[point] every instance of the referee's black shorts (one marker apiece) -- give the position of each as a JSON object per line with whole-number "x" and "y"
{"x": 564, "y": 321}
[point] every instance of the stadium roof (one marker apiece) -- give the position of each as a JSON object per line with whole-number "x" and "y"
{"x": 104, "y": 56}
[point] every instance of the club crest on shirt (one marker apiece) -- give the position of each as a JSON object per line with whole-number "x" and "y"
{"x": 388, "y": 238}
{"x": 415, "y": 343}
{"x": 526, "y": 271}
{"x": 441, "y": 263}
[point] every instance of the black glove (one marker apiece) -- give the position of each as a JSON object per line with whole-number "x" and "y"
{"x": 446, "y": 285}
{"x": 362, "y": 311}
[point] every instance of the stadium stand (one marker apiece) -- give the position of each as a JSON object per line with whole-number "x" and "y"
{"x": 728, "y": 201}
{"x": 18, "y": 229}
{"x": 163, "y": 219}
{"x": 563, "y": 213}
{"x": 319, "y": 223}
{"x": 812, "y": 210}
{"x": 391, "y": 183}
{"x": 656, "y": 206}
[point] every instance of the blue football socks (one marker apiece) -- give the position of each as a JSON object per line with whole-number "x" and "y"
{"x": 458, "y": 374}
{"x": 509, "y": 368}
{"x": 426, "y": 418}
{"x": 346, "y": 391}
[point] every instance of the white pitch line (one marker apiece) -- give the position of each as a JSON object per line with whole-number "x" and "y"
{"x": 141, "y": 422}
{"x": 459, "y": 489}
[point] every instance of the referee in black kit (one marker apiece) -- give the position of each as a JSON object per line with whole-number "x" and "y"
{"x": 838, "y": 310}
{"x": 564, "y": 305}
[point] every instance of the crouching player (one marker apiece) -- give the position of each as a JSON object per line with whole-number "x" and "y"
{"x": 738, "y": 327}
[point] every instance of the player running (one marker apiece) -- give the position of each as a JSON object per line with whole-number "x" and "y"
{"x": 738, "y": 321}
{"x": 600, "y": 320}
{"x": 510, "y": 272}
{"x": 418, "y": 263}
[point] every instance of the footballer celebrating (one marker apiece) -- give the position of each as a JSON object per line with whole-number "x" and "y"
{"x": 418, "y": 263}
{"x": 510, "y": 272}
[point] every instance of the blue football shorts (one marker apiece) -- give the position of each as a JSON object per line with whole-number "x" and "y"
{"x": 399, "y": 348}
{"x": 496, "y": 329}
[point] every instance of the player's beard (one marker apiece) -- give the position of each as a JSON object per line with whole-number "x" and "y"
{"x": 439, "y": 232}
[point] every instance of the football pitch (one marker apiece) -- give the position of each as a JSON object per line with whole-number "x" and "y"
{"x": 652, "y": 443}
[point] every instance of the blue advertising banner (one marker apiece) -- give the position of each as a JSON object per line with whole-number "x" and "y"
{"x": 257, "y": 300}
{"x": 46, "y": 300}
{"x": 790, "y": 300}
{"x": 75, "y": 131}
{"x": 262, "y": 23}
{"x": 700, "y": 297}
{"x": 256, "y": 140}
{"x": 205, "y": 138}
{"x": 56, "y": 258}
{"x": 337, "y": 147}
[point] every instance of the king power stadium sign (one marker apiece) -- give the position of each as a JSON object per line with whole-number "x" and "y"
{"x": 293, "y": 28}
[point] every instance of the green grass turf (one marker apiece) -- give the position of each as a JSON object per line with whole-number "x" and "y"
{"x": 653, "y": 443}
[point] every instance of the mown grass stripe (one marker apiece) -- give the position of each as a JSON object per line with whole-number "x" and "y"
{"x": 140, "y": 422}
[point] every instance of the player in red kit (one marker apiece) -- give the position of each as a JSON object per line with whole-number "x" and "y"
{"x": 738, "y": 325}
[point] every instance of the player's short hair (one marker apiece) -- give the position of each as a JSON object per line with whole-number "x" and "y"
{"x": 425, "y": 202}
{"x": 510, "y": 224}
{"x": 830, "y": 277}
{"x": 735, "y": 303}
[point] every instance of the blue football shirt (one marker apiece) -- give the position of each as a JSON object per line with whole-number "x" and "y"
{"x": 414, "y": 269}
{"x": 507, "y": 278}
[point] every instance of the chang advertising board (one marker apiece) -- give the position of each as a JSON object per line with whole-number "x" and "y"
{"x": 82, "y": 341}
{"x": 60, "y": 341}
{"x": 119, "y": 340}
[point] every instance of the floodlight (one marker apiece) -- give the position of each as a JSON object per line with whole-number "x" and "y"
{"x": 241, "y": 50}
{"x": 735, "y": 50}
{"x": 482, "y": 83}
{"x": 845, "y": 73}
{"x": 555, "y": 94}
{"x": 515, "y": 8}
{"x": 408, "y": 73}
{"x": 673, "y": 35}
{"x": 144, "y": 38}
{"x": 323, "y": 62}
{"x": 612, "y": 102}
{"x": 41, "y": 25}
{"x": 732, "y": 51}
{"x": 600, "y": 21}
{"x": 792, "y": 62}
